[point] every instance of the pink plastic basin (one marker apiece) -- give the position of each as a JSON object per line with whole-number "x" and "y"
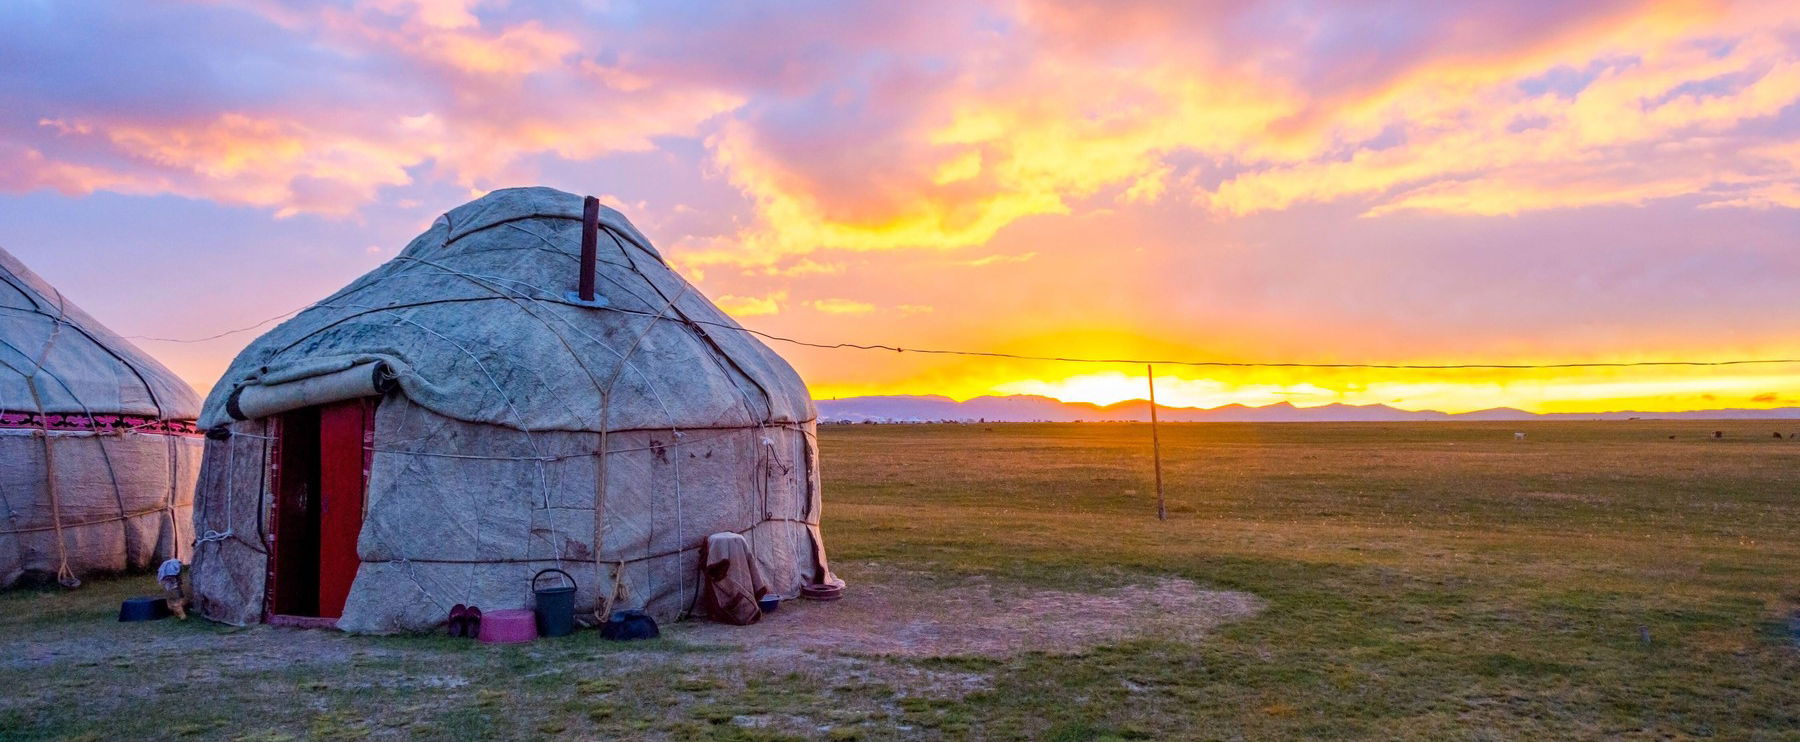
{"x": 508, "y": 627}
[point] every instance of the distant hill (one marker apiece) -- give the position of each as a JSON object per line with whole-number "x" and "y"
{"x": 1031, "y": 408}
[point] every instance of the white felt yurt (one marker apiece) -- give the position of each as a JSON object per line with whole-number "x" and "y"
{"x": 98, "y": 448}
{"x": 432, "y": 434}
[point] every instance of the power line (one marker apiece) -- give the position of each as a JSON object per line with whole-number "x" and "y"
{"x": 283, "y": 315}
{"x": 1260, "y": 364}
{"x": 1136, "y": 361}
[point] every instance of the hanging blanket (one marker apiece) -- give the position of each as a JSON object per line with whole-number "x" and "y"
{"x": 731, "y": 584}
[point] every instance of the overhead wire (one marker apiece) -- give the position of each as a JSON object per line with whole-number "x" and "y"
{"x": 1255, "y": 364}
{"x": 1134, "y": 361}
{"x": 283, "y": 315}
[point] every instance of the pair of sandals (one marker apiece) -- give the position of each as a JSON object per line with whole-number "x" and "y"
{"x": 465, "y": 621}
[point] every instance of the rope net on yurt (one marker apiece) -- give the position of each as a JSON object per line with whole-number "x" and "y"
{"x": 518, "y": 407}
{"x": 98, "y": 447}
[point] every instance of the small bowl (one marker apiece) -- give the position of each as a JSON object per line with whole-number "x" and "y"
{"x": 821, "y": 591}
{"x": 770, "y": 604}
{"x": 508, "y": 627}
{"x": 143, "y": 609}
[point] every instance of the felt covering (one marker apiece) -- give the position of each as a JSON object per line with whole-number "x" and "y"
{"x": 97, "y": 456}
{"x": 484, "y": 464}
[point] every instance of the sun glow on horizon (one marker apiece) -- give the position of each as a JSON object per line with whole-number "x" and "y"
{"x": 1564, "y": 391}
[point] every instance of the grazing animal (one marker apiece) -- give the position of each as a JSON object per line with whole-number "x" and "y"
{"x": 1518, "y": 436}
{"x": 1777, "y": 435}
{"x": 1718, "y": 434}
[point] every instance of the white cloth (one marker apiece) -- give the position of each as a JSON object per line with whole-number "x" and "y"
{"x": 169, "y": 574}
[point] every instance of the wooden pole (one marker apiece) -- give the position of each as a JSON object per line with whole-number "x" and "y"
{"x": 590, "y": 245}
{"x": 1162, "y": 510}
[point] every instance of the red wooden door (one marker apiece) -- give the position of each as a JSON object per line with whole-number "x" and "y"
{"x": 343, "y": 478}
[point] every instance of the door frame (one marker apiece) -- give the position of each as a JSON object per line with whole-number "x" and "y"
{"x": 277, "y": 428}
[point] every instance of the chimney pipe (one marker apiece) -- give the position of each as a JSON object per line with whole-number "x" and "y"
{"x": 590, "y": 236}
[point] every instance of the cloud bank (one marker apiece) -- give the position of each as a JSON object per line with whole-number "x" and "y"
{"x": 1293, "y": 178}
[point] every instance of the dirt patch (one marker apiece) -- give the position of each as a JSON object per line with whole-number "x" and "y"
{"x": 883, "y": 612}
{"x": 864, "y": 665}
{"x": 916, "y": 615}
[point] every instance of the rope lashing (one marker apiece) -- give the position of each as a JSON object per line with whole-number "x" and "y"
{"x": 212, "y": 536}
{"x": 600, "y": 483}
{"x": 64, "y": 575}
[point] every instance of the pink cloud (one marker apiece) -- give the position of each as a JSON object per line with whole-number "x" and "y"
{"x": 479, "y": 100}
{"x": 868, "y": 127}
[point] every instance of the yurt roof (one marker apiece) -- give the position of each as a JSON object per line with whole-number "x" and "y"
{"x": 477, "y": 320}
{"x": 78, "y": 365}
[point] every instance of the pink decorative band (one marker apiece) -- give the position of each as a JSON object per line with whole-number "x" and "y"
{"x": 97, "y": 423}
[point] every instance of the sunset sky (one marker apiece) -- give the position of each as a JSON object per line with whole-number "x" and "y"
{"x": 1383, "y": 181}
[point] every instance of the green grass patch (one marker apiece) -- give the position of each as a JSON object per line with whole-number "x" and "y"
{"x": 1422, "y": 581}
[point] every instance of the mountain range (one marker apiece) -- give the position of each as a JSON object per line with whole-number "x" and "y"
{"x": 1032, "y": 408}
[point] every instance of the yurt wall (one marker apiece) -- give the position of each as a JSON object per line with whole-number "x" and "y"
{"x": 490, "y": 387}
{"x": 98, "y": 448}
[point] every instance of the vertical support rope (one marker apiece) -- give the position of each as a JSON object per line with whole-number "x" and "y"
{"x": 726, "y": 367}
{"x": 211, "y": 534}
{"x": 174, "y": 492}
{"x": 680, "y": 530}
{"x": 64, "y": 576}
{"x": 605, "y": 604}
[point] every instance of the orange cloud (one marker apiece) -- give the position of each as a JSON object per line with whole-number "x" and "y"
{"x": 1471, "y": 160}
{"x": 1472, "y": 137}
{"x": 432, "y": 13}
{"x": 842, "y": 306}
{"x": 1129, "y": 103}
{"x": 751, "y": 306}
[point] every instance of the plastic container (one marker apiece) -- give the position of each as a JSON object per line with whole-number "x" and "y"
{"x": 627, "y": 625}
{"x": 144, "y": 609}
{"x": 508, "y": 627}
{"x": 770, "y": 603}
{"x": 555, "y": 607}
{"x": 821, "y": 591}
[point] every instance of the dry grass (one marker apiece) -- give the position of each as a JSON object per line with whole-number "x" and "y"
{"x": 1422, "y": 581}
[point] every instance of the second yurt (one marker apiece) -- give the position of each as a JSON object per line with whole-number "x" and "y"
{"x": 98, "y": 448}
{"x": 527, "y": 386}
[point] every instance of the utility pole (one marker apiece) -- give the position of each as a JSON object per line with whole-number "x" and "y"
{"x": 1162, "y": 510}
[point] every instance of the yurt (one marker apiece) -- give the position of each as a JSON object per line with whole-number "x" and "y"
{"x": 527, "y": 386}
{"x": 98, "y": 448}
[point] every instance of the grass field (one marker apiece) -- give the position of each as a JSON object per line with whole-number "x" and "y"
{"x": 1420, "y": 581}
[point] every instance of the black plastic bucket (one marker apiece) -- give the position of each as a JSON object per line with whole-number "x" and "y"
{"x": 555, "y": 605}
